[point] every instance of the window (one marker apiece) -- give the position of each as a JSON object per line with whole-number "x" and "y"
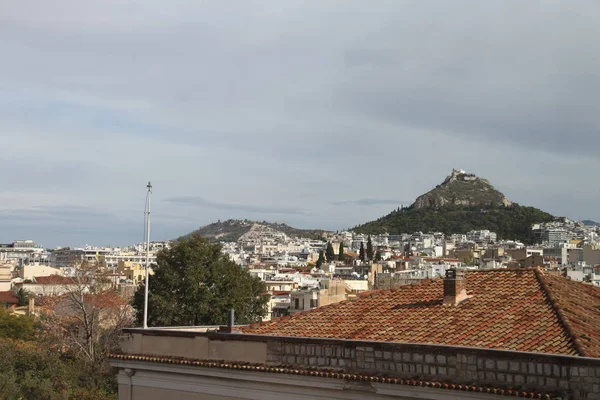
{"x": 297, "y": 304}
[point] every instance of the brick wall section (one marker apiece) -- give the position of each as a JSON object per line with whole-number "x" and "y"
{"x": 564, "y": 377}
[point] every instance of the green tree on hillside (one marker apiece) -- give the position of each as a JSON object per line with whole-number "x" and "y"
{"x": 341, "y": 252}
{"x": 361, "y": 253}
{"x": 329, "y": 252}
{"x": 321, "y": 259}
{"x": 195, "y": 284}
{"x": 370, "y": 252}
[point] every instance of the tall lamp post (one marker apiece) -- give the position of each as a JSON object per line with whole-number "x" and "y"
{"x": 147, "y": 214}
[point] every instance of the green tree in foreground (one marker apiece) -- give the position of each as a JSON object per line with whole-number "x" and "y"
{"x": 195, "y": 284}
{"x": 329, "y": 252}
{"x": 16, "y": 327}
{"x": 341, "y": 252}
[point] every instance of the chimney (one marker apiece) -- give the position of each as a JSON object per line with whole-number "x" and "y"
{"x": 455, "y": 287}
{"x": 230, "y": 322}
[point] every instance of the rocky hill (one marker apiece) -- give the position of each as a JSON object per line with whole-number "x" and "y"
{"x": 232, "y": 230}
{"x": 462, "y": 189}
{"x": 461, "y": 203}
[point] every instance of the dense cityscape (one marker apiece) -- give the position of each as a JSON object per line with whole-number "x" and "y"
{"x": 326, "y": 200}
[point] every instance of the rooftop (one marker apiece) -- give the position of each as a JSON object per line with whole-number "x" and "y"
{"x": 521, "y": 309}
{"x": 8, "y": 298}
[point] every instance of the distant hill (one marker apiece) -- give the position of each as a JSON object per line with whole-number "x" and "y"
{"x": 461, "y": 203}
{"x": 588, "y": 222}
{"x": 232, "y": 229}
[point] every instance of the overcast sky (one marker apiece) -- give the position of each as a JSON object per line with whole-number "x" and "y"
{"x": 320, "y": 114}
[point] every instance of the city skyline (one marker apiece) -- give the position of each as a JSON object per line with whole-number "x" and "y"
{"x": 320, "y": 116}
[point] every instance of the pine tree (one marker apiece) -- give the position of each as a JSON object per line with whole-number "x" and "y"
{"x": 329, "y": 253}
{"x": 321, "y": 259}
{"x": 370, "y": 249}
{"x": 341, "y": 252}
{"x": 362, "y": 252}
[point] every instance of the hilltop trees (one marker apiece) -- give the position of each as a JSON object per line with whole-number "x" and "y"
{"x": 195, "y": 284}
{"x": 511, "y": 222}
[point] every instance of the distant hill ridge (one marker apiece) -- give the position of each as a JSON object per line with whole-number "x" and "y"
{"x": 588, "y": 222}
{"x": 461, "y": 203}
{"x": 233, "y": 229}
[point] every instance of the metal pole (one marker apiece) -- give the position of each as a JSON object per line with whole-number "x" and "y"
{"x": 147, "y": 254}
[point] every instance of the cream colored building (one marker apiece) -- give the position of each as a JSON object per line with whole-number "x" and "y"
{"x": 31, "y": 271}
{"x": 133, "y": 270}
{"x": 5, "y": 277}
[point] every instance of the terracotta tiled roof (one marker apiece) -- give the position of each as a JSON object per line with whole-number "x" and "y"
{"x": 53, "y": 280}
{"x": 578, "y": 305}
{"x": 523, "y": 310}
{"x": 8, "y": 298}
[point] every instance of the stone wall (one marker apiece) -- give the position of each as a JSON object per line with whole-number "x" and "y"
{"x": 559, "y": 376}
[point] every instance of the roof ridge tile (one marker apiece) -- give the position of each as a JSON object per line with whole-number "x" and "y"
{"x": 562, "y": 318}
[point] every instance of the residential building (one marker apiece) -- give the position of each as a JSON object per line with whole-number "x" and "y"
{"x": 5, "y": 277}
{"x": 332, "y": 291}
{"x": 28, "y": 272}
{"x": 480, "y": 236}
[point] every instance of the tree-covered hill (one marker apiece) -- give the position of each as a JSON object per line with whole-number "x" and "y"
{"x": 510, "y": 222}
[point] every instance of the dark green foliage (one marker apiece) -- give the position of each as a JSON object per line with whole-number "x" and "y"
{"x": 34, "y": 368}
{"x": 361, "y": 253}
{"x": 329, "y": 252}
{"x": 23, "y": 297}
{"x": 321, "y": 259}
{"x": 16, "y": 327}
{"x": 512, "y": 222}
{"x": 369, "y": 249}
{"x": 195, "y": 284}
{"x": 378, "y": 256}
{"x": 341, "y": 252}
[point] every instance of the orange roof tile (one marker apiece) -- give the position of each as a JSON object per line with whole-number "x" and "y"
{"x": 53, "y": 280}
{"x": 522, "y": 310}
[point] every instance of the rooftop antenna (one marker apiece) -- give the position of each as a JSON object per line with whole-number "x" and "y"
{"x": 147, "y": 215}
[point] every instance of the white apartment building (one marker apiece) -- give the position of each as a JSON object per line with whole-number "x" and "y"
{"x": 481, "y": 236}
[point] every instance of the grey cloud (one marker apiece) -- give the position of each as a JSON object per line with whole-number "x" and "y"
{"x": 201, "y": 202}
{"x": 307, "y": 100}
{"x": 368, "y": 202}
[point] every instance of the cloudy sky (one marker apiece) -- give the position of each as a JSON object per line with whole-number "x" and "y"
{"x": 321, "y": 114}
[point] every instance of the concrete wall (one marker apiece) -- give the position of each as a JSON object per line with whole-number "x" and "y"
{"x": 152, "y": 393}
{"x": 591, "y": 255}
{"x": 195, "y": 347}
{"x": 31, "y": 271}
